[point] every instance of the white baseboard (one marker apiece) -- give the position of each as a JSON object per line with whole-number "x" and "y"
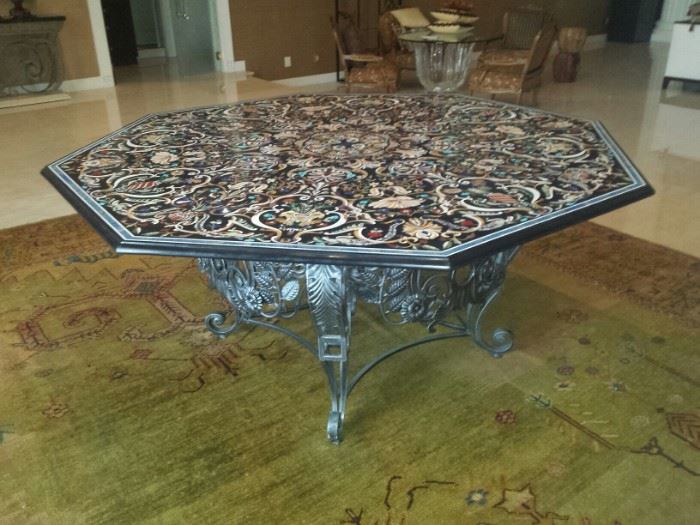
{"x": 151, "y": 52}
{"x": 231, "y": 66}
{"x": 76, "y": 84}
{"x": 662, "y": 35}
{"x": 322, "y": 78}
{"x": 28, "y": 100}
{"x": 595, "y": 42}
{"x": 81, "y": 84}
{"x": 592, "y": 42}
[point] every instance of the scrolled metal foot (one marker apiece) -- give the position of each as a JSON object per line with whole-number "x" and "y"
{"x": 486, "y": 282}
{"x": 337, "y": 374}
{"x": 334, "y": 428}
{"x": 501, "y": 340}
{"x": 215, "y": 324}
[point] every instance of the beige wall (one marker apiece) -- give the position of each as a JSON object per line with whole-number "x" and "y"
{"x": 75, "y": 39}
{"x": 265, "y": 31}
{"x": 592, "y": 14}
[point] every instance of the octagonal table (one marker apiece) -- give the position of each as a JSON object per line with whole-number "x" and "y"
{"x": 413, "y": 204}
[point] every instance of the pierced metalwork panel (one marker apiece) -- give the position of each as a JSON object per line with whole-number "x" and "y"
{"x": 268, "y": 290}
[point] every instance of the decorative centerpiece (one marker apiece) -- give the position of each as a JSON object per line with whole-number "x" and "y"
{"x": 446, "y": 27}
{"x": 445, "y": 15}
{"x": 454, "y": 16}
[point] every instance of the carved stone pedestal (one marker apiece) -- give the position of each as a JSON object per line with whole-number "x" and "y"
{"x": 29, "y": 58}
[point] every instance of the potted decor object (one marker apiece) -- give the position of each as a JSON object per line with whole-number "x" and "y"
{"x": 571, "y": 41}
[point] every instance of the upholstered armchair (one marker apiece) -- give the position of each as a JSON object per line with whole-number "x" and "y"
{"x": 520, "y": 26}
{"x": 391, "y": 47}
{"x": 363, "y": 69}
{"x": 409, "y": 18}
{"x": 500, "y": 77}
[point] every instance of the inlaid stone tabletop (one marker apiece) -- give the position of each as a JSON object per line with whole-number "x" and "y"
{"x": 397, "y": 180}
{"x": 414, "y": 205}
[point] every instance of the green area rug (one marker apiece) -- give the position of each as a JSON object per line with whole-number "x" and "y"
{"x": 117, "y": 406}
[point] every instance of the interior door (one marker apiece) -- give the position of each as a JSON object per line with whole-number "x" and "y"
{"x": 193, "y": 35}
{"x": 632, "y": 20}
{"x": 119, "y": 27}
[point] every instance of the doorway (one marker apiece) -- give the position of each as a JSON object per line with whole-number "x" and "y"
{"x": 193, "y": 35}
{"x": 156, "y": 37}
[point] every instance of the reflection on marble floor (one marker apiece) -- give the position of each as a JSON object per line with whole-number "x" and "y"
{"x": 32, "y": 136}
{"x": 619, "y": 84}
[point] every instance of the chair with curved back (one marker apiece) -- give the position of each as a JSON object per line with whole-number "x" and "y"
{"x": 391, "y": 47}
{"x": 500, "y": 78}
{"x": 520, "y": 26}
{"x": 363, "y": 69}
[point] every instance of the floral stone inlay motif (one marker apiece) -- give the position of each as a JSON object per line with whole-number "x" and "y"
{"x": 402, "y": 172}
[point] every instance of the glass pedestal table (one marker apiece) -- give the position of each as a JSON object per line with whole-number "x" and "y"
{"x": 414, "y": 204}
{"x": 443, "y": 59}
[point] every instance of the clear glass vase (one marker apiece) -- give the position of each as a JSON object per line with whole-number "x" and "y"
{"x": 442, "y": 67}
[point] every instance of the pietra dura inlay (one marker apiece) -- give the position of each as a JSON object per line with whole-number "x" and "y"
{"x": 384, "y": 174}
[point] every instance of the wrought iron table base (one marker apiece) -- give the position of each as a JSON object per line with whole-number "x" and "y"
{"x": 261, "y": 292}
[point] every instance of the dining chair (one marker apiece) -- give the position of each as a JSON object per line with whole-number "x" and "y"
{"x": 363, "y": 69}
{"x": 499, "y": 77}
{"x": 391, "y": 47}
{"x": 519, "y": 26}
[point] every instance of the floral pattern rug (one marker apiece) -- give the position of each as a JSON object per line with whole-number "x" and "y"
{"x": 117, "y": 406}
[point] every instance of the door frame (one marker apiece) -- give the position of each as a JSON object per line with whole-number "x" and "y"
{"x": 226, "y": 64}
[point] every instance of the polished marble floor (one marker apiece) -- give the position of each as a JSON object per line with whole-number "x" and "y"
{"x": 619, "y": 84}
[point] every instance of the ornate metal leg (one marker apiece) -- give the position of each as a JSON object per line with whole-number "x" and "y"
{"x": 485, "y": 283}
{"x": 260, "y": 292}
{"x": 331, "y": 305}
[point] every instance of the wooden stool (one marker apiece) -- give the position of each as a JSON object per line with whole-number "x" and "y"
{"x": 571, "y": 41}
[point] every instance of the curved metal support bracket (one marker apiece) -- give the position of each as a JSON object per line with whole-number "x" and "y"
{"x": 486, "y": 281}
{"x": 331, "y": 307}
{"x": 501, "y": 339}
